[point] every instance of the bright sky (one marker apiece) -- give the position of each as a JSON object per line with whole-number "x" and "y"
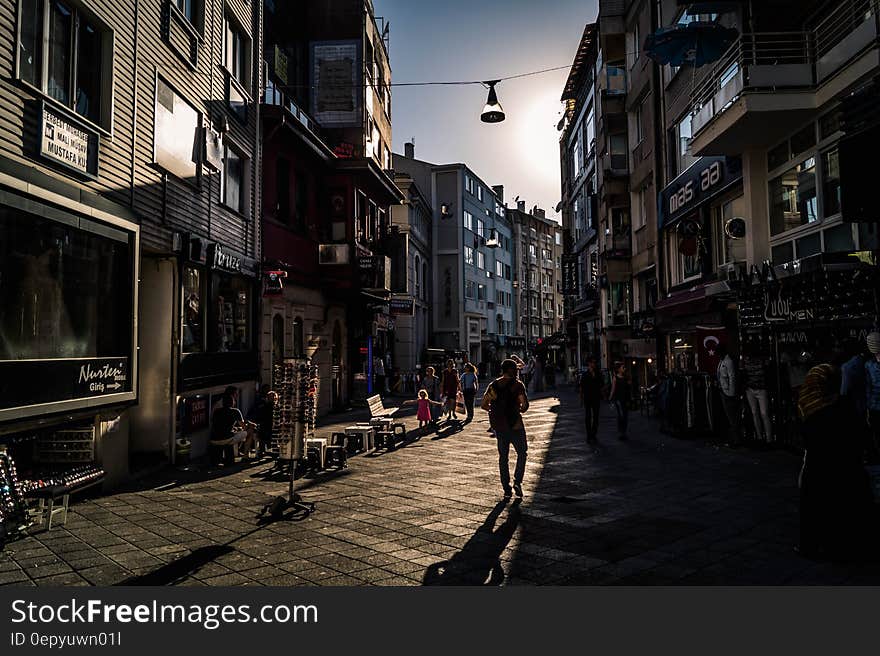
{"x": 480, "y": 40}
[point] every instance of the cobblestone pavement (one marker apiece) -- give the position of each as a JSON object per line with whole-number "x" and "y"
{"x": 650, "y": 510}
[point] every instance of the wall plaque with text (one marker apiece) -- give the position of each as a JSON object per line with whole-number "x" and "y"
{"x": 68, "y": 142}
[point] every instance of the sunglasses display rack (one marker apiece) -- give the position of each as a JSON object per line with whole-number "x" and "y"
{"x": 13, "y": 511}
{"x": 295, "y": 413}
{"x": 71, "y": 446}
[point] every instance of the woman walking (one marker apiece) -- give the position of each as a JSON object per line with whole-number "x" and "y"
{"x": 470, "y": 385}
{"x": 620, "y": 396}
{"x": 451, "y": 387}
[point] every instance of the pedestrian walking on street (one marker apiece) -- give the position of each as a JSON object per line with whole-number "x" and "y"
{"x": 727, "y": 383}
{"x": 451, "y": 388}
{"x": 620, "y": 397}
{"x": 470, "y": 385}
{"x": 505, "y": 399}
{"x": 591, "y": 385}
{"x": 835, "y": 499}
{"x": 872, "y": 388}
{"x": 758, "y": 397}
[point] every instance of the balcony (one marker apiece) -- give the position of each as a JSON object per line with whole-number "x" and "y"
{"x": 768, "y": 81}
{"x": 275, "y": 97}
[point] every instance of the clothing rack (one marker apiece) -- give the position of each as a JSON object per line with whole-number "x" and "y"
{"x": 689, "y": 404}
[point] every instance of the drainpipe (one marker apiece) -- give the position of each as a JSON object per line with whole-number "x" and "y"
{"x": 659, "y": 172}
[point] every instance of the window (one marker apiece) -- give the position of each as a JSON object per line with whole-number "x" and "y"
{"x": 480, "y": 192}
{"x": 236, "y": 52}
{"x": 559, "y": 239}
{"x": 187, "y": 8}
{"x": 481, "y": 260}
{"x": 633, "y": 46}
{"x": 793, "y": 199}
{"x": 175, "y": 134}
{"x": 193, "y": 326}
{"x": 618, "y": 147}
{"x": 232, "y": 192}
{"x": 533, "y": 251}
{"x": 298, "y": 338}
{"x": 230, "y": 314}
{"x": 470, "y": 289}
{"x": 418, "y": 282}
{"x": 481, "y": 292}
{"x": 468, "y": 255}
{"x": 576, "y": 158}
{"x": 66, "y": 292}
{"x": 468, "y": 220}
{"x": 839, "y": 239}
{"x": 782, "y": 253}
{"x": 499, "y": 269}
{"x": 619, "y": 303}
{"x": 425, "y": 281}
{"x": 61, "y": 53}
{"x": 590, "y": 131}
{"x": 480, "y": 228}
{"x": 682, "y": 137}
{"x": 830, "y": 183}
{"x": 508, "y": 272}
{"x": 469, "y": 183}
{"x": 809, "y": 245}
{"x": 640, "y": 206}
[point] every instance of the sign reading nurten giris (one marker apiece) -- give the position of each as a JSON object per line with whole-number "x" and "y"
{"x": 67, "y": 142}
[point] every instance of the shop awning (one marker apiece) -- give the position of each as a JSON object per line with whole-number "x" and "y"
{"x": 693, "y": 301}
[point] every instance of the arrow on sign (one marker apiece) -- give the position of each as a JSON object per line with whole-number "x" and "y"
{"x": 114, "y": 386}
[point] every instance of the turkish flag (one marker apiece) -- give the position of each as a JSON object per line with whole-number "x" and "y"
{"x": 708, "y": 341}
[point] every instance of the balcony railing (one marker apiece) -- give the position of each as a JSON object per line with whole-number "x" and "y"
{"x": 769, "y": 62}
{"x": 273, "y": 95}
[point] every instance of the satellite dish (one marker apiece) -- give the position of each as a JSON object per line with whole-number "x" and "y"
{"x": 735, "y": 228}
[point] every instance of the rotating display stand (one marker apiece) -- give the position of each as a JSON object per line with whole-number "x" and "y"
{"x": 293, "y": 422}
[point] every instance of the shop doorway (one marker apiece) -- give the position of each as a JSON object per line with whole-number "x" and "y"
{"x": 277, "y": 339}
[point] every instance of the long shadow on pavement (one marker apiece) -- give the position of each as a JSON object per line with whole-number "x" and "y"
{"x": 479, "y": 560}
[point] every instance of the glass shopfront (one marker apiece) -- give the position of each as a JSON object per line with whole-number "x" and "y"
{"x": 67, "y": 298}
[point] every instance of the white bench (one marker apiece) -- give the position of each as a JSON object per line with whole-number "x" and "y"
{"x": 378, "y": 409}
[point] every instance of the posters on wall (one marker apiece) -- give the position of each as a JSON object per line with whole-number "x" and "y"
{"x": 336, "y": 77}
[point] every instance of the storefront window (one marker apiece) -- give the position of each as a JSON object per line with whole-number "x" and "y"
{"x": 783, "y": 253}
{"x": 839, "y": 239}
{"x": 193, "y": 292}
{"x": 65, "y": 292}
{"x": 830, "y": 183}
{"x": 793, "y": 198}
{"x": 809, "y": 245}
{"x": 230, "y": 314}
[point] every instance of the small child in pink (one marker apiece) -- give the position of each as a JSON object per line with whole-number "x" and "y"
{"x": 424, "y": 408}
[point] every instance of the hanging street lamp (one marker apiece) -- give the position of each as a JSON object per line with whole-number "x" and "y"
{"x": 492, "y": 112}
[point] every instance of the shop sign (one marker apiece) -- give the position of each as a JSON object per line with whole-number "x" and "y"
{"x": 402, "y": 306}
{"x": 778, "y": 308}
{"x": 569, "y": 275}
{"x": 703, "y": 180}
{"x": 68, "y": 142}
{"x": 224, "y": 260}
{"x": 30, "y": 382}
{"x": 273, "y": 283}
{"x": 336, "y": 80}
{"x": 196, "y": 414}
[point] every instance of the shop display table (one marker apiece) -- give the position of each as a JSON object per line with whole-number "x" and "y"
{"x": 364, "y": 432}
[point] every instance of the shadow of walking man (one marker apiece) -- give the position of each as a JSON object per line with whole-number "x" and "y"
{"x": 479, "y": 561}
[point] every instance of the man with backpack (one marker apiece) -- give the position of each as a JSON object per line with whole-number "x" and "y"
{"x": 505, "y": 399}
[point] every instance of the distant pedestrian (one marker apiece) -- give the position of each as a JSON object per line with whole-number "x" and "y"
{"x": 470, "y": 385}
{"x": 451, "y": 387}
{"x": 262, "y": 415}
{"x": 591, "y": 385}
{"x": 620, "y": 397}
{"x": 423, "y": 411}
{"x": 505, "y": 399}
{"x": 727, "y": 383}
{"x": 872, "y": 387}
{"x": 431, "y": 384}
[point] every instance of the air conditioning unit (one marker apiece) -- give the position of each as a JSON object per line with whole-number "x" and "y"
{"x": 334, "y": 254}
